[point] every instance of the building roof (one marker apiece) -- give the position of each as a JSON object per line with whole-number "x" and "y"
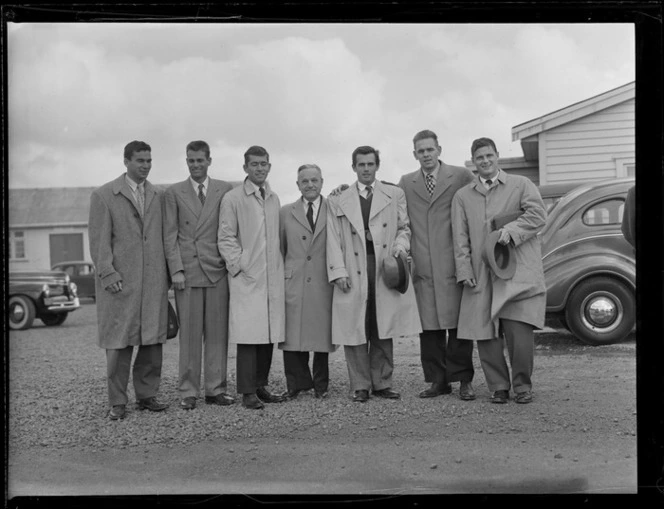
{"x": 574, "y": 111}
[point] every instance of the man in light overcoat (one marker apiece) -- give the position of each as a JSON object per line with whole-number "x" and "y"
{"x": 303, "y": 227}
{"x": 248, "y": 240}
{"x": 365, "y": 224}
{"x": 191, "y": 223}
{"x": 491, "y": 305}
{"x": 127, "y": 248}
{"x": 429, "y": 192}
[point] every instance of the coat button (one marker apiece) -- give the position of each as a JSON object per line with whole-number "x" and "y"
{"x": 195, "y": 256}
{"x": 308, "y": 280}
{"x": 356, "y": 254}
{"x": 384, "y": 225}
{"x": 384, "y": 246}
{"x": 308, "y": 257}
{"x": 359, "y": 272}
{"x": 304, "y": 237}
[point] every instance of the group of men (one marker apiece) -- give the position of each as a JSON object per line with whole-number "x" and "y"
{"x": 317, "y": 274}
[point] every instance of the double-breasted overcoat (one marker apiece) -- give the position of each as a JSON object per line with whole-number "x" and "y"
{"x": 521, "y": 298}
{"x": 434, "y": 275}
{"x": 308, "y": 291}
{"x": 248, "y": 240}
{"x": 397, "y": 313}
{"x": 127, "y": 247}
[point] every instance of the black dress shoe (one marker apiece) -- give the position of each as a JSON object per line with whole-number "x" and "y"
{"x": 188, "y": 403}
{"x": 292, "y": 394}
{"x": 151, "y": 404}
{"x": 500, "y": 397}
{"x": 387, "y": 394}
{"x": 117, "y": 412}
{"x": 466, "y": 391}
{"x": 251, "y": 402}
{"x": 220, "y": 399}
{"x": 361, "y": 396}
{"x": 267, "y": 397}
{"x": 436, "y": 389}
{"x": 320, "y": 394}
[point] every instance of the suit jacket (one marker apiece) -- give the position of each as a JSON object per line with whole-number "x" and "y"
{"x": 438, "y": 294}
{"x": 190, "y": 232}
{"x": 127, "y": 247}
{"x": 308, "y": 292}
{"x": 346, "y": 257}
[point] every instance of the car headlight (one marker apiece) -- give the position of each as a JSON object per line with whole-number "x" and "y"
{"x": 45, "y": 290}
{"x": 73, "y": 288}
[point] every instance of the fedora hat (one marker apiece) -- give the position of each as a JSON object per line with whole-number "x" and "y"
{"x": 499, "y": 257}
{"x": 395, "y": 273}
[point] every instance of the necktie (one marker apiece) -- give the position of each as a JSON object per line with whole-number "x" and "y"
{"x": 201, "y": 196}
{"x": 262, "y": 189}
{"x": 140, "y": 198}
{"x": 431, "y": 185}
{"x": 488, "y": 183}
{"x": 369, "y": 192}
{"x": 310, "y": 215}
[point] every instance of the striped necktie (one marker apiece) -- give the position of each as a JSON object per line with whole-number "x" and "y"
{"x": 140, "y": 198}
{"x": 201, "y": 195}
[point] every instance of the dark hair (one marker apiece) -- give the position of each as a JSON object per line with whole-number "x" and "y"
{"x": 482, "y": 142}
{"x": 135, "y": 146}
{"x": 255, "y": 150}
{"x": 364, "y": 150}
{"x": 195, "y": 146}
{"x": 308, "y": 166}
{"x": 425, "y": 135}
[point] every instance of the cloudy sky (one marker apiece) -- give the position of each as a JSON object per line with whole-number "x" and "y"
{"x": 306, "y": 92}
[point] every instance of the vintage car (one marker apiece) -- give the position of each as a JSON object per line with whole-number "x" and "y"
{"x": 82, "y": 274}
{"x": 552, "y": 193}
{"x": 47, "y": 295}
{"x": 589, "y": 267}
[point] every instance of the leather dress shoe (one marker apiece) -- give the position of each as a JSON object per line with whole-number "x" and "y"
{"x": 252, "y": 402}
{"x": 188, "y": 403}
{"x": 466, "y": 391}
{"x": 292, "y": 394}
{"x": 117, "y": 412}
{"x": 436, "y": 389}
{"x": 524, "y": 397}
{"x": 500, "y": 397}
{"x": 267, "y": 397}
{"x": 222, "y": 399}
{"x": 387, "y": 394}
{"x": 361, "y": 396}
{"x": 320, "y": 394}
{"x": 151, "y": 404}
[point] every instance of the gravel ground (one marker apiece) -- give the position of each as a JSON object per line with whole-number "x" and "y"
{"x": 584, "y": 413}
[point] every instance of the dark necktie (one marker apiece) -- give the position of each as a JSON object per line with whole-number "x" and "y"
{"x": 201, "y": 196}
{"x": 489, "y": 182}
{"x": 310, "y": 215}
{"x": 369, "y": 192}
{"x": 431, "y": 185}
{"x": 262, "y": 189}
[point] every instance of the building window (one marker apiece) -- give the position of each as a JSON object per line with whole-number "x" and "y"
{"x": 16, "y": 245}
{"x": 625, "y": 166}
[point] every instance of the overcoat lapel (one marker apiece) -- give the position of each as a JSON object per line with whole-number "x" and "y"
{"x": 297, "y": 210}
{"x": 190, "y": 198}
{"x": 211, "y": 199}
{"x": 149, "y": 194}
{"x": 379, "y": 201}
{"x": 321, "y": 221}
{"x": 419, "y": 187}
{"x": 444, "y": 181}
{"x": 120, "y": 186}
{"x": 350, "y": 206}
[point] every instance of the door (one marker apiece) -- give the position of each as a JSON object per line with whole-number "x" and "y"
{"x": 65, "y": 247}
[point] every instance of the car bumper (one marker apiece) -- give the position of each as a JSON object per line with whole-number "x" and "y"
{"x": 61, "y": 304}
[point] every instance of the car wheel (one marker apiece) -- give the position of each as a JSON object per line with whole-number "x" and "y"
{"x": 601, "y": 311}
{"x": 52, "y": 319}
{"x": 21, "y": 312}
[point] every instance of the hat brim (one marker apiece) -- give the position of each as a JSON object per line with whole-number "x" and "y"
{"x": 396, "y": 273}
{"x": 404, "y": 274}
{"x": 500, "y": 258}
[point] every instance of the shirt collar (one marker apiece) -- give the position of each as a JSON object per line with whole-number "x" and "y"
{"x": 435, "y": 173}
{"x": 206, "y": 183}
{"x": 483, "y": 180}
{"x": 361, "y": 188}
{"x": 132, "y": 184}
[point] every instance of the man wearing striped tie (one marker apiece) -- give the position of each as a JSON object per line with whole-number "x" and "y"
{"x": 429, "y": 191}
{"x": 199, "y": 274}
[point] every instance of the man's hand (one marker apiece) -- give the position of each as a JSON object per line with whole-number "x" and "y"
{"x": 338, "y": 190}
{"x": 471, "y": 283}
{"x": 178, "y": 280}
{"x": 398, "y": 250}
{"x": 115, "y": 287}
{"x": 505, "y": 237}
{"x": 343, "y": 283}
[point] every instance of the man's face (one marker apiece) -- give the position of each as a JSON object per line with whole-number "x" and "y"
{"x": 257, "y": 168}
{"x": 198, "y": 164}
{"x": 486, "y": 162}
{"x": 138, "y": 167}
{"x": 366, "y": 168}
{"x": 427, "y": 152}
{"x": 310, "y": 182}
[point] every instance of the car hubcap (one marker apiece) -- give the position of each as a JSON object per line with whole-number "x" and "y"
{"x": 602, "y": 312}
{"x": 17, "y": 313}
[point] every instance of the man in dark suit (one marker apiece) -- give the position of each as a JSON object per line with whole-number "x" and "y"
{"x": 199, "y": 275}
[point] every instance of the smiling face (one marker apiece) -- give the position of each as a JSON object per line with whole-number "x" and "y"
{"x": 486, "y": 161}
{"x": 365, "y": 166}
{"x": 198, "y": 163}
{"x": 310, "y": 183}
{"x": 427, "y": 152}
{"x": 138, "y": 167}
{"x": 257, "y": 169}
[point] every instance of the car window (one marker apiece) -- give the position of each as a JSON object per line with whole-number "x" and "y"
{"x": 606, "y": 212}
{"x": 86, "y": 270}
{"x": 69, "y": 269}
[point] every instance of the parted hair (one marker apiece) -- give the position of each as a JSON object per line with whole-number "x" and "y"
{"x": 308, "y": 166}
{"x": 255, "y": 150}
{"x": 482, "y": 142}
{"x": 364, "y": 150}
{"x": 198, "y": 145}
{"x": 135, "y": 146}
{"x": 425, "y": 135}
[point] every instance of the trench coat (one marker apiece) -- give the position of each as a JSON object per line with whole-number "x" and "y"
{"x": 248, "y": 239}
{"x": 523, "y": 297}
{"x": 125, "y": 247}
{"x": 434, "y": 274}
{"x": 397, "y": 313}
{"x": 308, "y": 292}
